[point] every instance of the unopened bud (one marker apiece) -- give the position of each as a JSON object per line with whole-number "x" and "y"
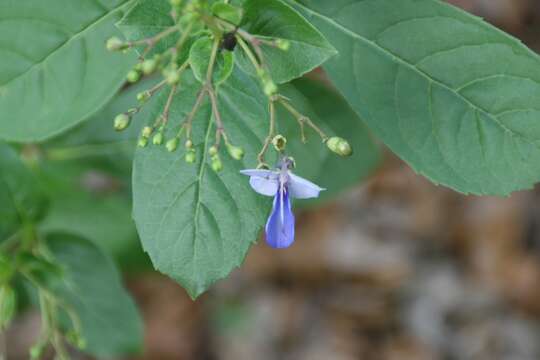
{"x": 158, "y": 138}
{"x": 171, "y": 76}
{"x": 216, "y": 163}
{"x": 133, "y": 76}
{"x": 190, "y": 156}
{"x": 283, "y": 44}
{"x": 115, "y": 44}
{"x": 121, "y": 121}
{"x": 149, "y": 66}
{"x": 213, "y": 150}
{"x": 279, "y": 142}
{"x": 143, "y": 97}
{"x": 172, "y": 144}
{"x": 236, "y": 152}
{"x": 269, "y": 87}
{"x": 142, "y": 142}
{"x": 146, "y": 132}
{"x": 189, "y": 144}
{"x": 339, "y": 145}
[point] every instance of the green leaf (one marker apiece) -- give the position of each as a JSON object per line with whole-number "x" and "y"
{"x": 146, "y": 19}
{"x": 196, "y": 224}
{"x": 21, "y": 198}
{"x": 227, "y": 12}
{"x": 273, "y": 19}
{"x": 56, "y": 71}
{"x": 451, "y": 95}
{"x": 330, "y": 112}
{"x": 92, "y": 288}
{"x": 199, "y": 60}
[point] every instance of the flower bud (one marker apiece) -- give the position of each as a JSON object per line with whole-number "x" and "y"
{"x": 146, "y": 132}
{"x": 190, "y": 156}
{"x": 142, "y": 142}
{"x": 143, "y": 97}
{"x": 115, "y": 44}
{"x": 133, "y": 76}
{"x": 216, "y": 163}
{"x": 269, "y": 87}
{"x": 213, "y": 150}
{"x": 339, "y": 145}
{"x": 158, "y": 138}
{"x": 279, "y": 142}
{"x": 189, "y": 144}
{"x": 149, "y": 66}
{"x": 172, "y": 144}
{"x": 121, "y": 121}
{"x": 8, "y": 305}
{"x": 171, "y": 76}
{"x": 283, "y": 44}
{"x": 236, "y": 152}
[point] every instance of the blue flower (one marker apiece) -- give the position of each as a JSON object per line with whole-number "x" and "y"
{"x": 283, "y": 185}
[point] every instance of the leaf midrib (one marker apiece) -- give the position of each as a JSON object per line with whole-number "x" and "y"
{"x": 65, "y": 43}
{"x": 405, "y": 63}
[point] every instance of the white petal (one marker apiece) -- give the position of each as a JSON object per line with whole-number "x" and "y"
{"x": 268, "y": 187}
{"x": 266, "y": 174}
{"x": 301, "y": 188}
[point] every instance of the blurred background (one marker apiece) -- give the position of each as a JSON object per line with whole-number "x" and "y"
{"x": 395, "y": 268}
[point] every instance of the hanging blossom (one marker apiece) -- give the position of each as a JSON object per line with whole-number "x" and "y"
{"x": 283, "y": 185}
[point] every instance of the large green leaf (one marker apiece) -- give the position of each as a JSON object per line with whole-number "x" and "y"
{"x": 92, "y": 288}
{"x": 275, "y": 19}
{"x": 55, "y": 69}
{"x": 21, "y": 199}
{"x": 453, "y": 96}
{"x": 197, "y": 225}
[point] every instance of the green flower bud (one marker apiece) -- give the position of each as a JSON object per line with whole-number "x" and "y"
{"x": 142, "y": 142}
{"x": 236, "y": 152}
{"x": 133, "y": 76}
{"x": 121, "y": 121}
{"x": 191, "y": 156}
{"x": 158, "y": 138}
{"x": 339, "y": 145}
{"x": 115, "y": 44}
{"x": 216, "y": 163}
{"x": 279, "y": 142}
{"x": 143, "y": 97}
{"x": 269, "y": 87}
{"x": 283, "y": 44}
{"x": 171, "y": 76}
{"x": 138, "y": 67}
{"x": 172, "y": 144}
{"x": 189, "y": 144}
{"x": 149, "y": 66}
{"x": 146, "y": 132}
{"x": 213, "y": 150}
{"x": 8, "y": 305}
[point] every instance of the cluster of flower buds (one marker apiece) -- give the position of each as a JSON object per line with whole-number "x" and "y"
{"x": 192, "y": 20}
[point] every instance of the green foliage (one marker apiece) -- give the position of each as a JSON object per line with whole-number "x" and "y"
{"x": 199, "y": 59}
{"x": 110, "y": 324}
{"x": 453, "y": 96}
{"x": 196, "y": 224}
{"x": 55, "y": 69}
{"x": 275, "y": 19}
{"x": 21, "y": 198}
